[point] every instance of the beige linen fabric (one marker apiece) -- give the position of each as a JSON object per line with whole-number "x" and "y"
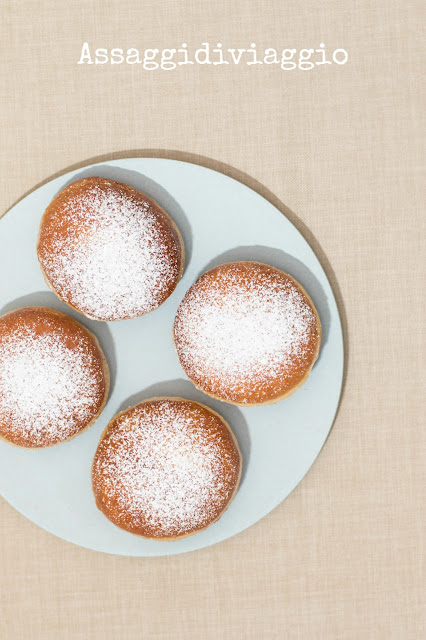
{"x": 338, "y": 149}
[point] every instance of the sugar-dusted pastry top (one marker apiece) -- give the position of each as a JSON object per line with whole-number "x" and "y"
{"x": 108, "y": 250}
{"x": 166, "y": 468}
{"x": 53, "y": 377}
{"x": 247, "y": 333}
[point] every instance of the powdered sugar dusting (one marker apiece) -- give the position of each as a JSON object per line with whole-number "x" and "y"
{"x": 166, "y": 468}
{"x": 243, "y": 326}
{"x": 110, "y": 255}
{"x": 48, "y": 390}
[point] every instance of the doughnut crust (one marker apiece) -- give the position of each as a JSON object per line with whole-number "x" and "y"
{"x": 108, "y": 250}
{"x": 54, "y": 377}
{"x": 166, "y": 468}
{"x": 247, "y": 333}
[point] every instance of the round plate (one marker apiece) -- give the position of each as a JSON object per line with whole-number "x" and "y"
{"x": 221, "y": 220}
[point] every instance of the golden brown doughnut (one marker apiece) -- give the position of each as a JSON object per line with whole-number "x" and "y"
{"x": 166, "y": 468}
{"x": 247, "y": 333}
{"x": 54, "y": 378}
{"x": 108, "y": 250}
